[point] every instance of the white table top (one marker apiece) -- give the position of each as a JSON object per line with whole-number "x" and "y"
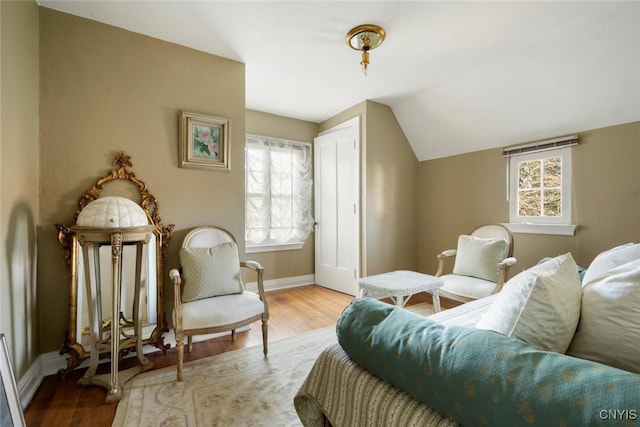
{"x": 398, "y": 283}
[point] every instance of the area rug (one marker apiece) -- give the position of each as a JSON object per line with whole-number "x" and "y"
{"x": 238, "y": 388}
{"x": 422, "y": 308}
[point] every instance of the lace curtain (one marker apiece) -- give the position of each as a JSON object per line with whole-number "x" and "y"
{"x": 278, "y": 190}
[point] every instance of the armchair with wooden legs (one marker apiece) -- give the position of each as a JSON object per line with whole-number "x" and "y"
{"x": 210, "y": 296}
{"x": 482, "y": 263}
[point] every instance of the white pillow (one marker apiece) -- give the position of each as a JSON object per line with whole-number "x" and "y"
{"x": 610, "y": 259}
{"x": 479, "y": 257}
{"x": 609, "y": 328}
{"x": 540, "y": 306}
{"x": 210, "y": 272}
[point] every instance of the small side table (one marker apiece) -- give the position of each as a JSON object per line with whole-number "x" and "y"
{"x": 90, "y": 240}
{"x": 400, "y": 285}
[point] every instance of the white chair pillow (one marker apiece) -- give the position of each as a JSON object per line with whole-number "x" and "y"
{"x": 540, "y": 306}
{"x": 479, "y": 257}
{"x": 210, "y": 272}
{"x": 609, "y": 328}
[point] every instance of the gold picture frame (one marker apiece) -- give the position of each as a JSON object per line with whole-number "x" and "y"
{"x": 204, "y": 141}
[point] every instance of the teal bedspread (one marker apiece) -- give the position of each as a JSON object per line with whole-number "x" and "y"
{"x": 480, "y": 377}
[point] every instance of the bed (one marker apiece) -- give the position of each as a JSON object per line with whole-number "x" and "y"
{"x": 335, "y": 380}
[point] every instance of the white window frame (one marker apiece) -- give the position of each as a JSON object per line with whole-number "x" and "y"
{"x": 271, "y": 245}
{"x": 541, "y": 224}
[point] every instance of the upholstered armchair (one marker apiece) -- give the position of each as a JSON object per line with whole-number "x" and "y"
{"x": 210, "y": 296}
{"x": 481, "y": 266}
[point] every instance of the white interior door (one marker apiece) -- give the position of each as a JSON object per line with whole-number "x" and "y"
{"x": 337, "y": 208}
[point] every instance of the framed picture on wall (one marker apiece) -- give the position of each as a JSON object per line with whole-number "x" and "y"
{"x": 204, "y": 141}
{"x": 10, "y": 408}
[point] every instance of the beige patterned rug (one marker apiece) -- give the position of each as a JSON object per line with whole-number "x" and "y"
{"x": 238, "y": 388}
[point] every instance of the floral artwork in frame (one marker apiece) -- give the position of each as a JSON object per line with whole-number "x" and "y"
{"x": 204, "y": 141}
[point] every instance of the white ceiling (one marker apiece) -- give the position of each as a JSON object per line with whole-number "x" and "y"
{"x": 460, "y": 76}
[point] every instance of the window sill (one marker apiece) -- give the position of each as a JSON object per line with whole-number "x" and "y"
{"x": 273, "y": 247}
{"x": 530, "y": 228}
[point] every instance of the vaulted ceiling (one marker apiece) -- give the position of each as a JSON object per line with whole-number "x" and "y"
{"x": 459, "y": 76}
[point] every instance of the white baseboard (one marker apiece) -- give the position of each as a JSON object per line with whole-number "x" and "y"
{"x": 286, "y": 282}
{"x": 50, "y": 363}
{"x": 30, "y": 381}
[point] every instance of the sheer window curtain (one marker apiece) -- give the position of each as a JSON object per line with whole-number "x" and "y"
{"x": 278, "y": 190}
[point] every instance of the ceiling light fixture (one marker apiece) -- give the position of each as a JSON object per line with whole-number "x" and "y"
{"x": 365, "y": 38}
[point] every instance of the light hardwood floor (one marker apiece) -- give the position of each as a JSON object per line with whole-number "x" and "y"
{"x": 292, "y": 311}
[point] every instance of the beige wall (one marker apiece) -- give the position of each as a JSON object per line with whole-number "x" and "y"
{"x": 19, "y": 157}
{"x": 460, "y": 192}
{"x": 391, "y": 191}
{"x": 358, "y": 110}
{"x": 104, "y": 89}
{"x": 283, "y": 264}
{"x": 607, "y": 188}
{"x": 389, "y": 171}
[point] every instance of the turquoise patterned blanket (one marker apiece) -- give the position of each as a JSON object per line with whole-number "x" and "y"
{"x": 480, "y": 377}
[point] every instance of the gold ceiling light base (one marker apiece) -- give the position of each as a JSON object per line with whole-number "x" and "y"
{"x": 365, "y": 38}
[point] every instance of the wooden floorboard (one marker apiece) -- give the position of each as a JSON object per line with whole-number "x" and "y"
{"x": 292, "y": 311}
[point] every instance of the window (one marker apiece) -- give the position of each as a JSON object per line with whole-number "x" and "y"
{"x": 278, "y": 191}
{"x": 540, "y": 187}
